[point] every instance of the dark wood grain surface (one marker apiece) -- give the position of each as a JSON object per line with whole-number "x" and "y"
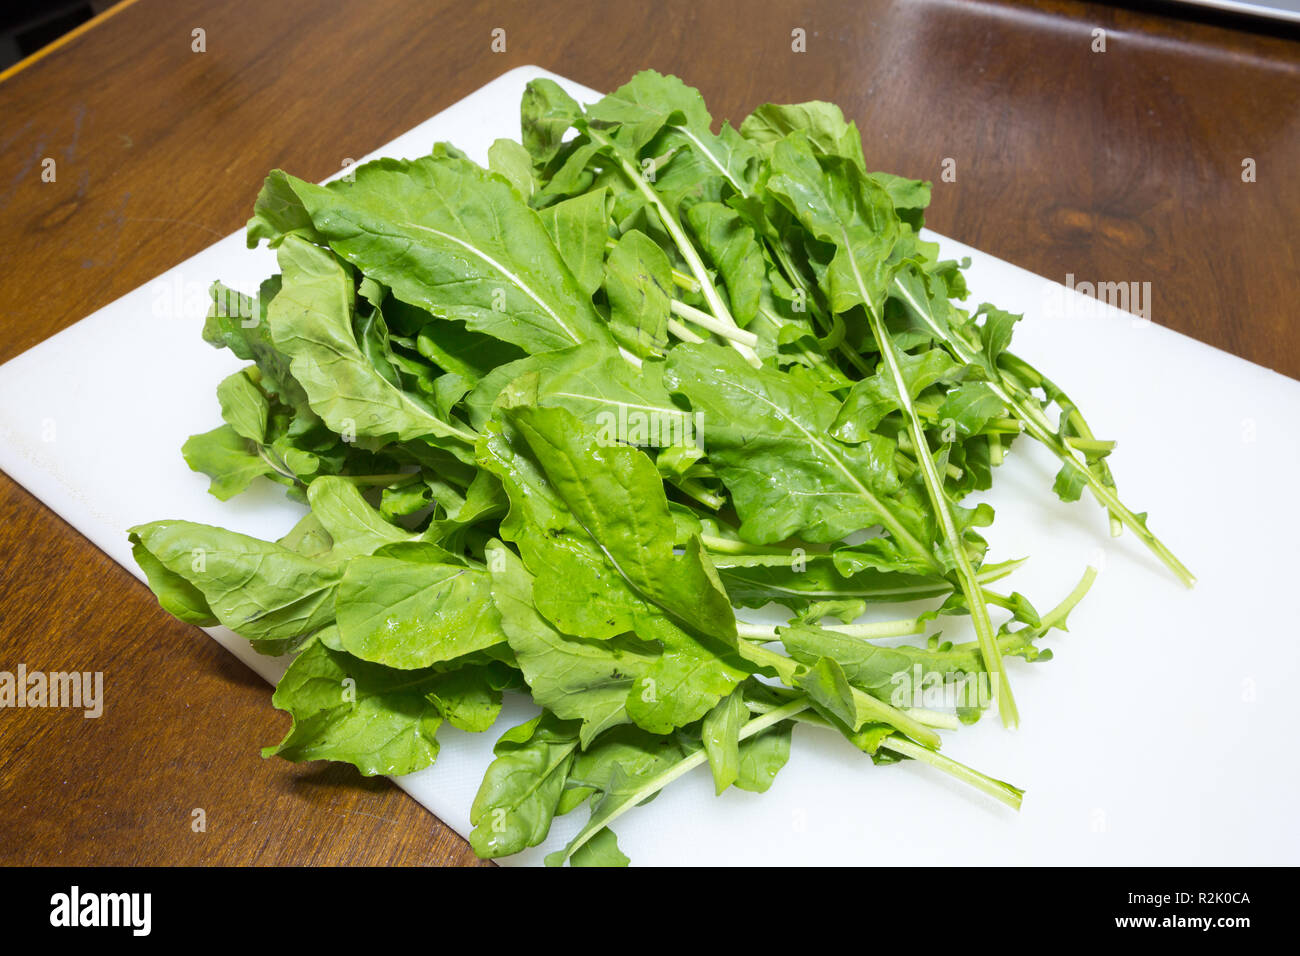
{"x": 1122, "y": 166}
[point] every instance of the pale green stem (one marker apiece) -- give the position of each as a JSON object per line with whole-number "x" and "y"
{"x": 1102, "y": 492}
{"x": 871, "y": 631}
{"x": 970, "y": 587}
{"x": 922, "y": 715}
{"x": 704, "y": 320}
{"x": 683, "y": 243}
{"x": 998, "y": 789}
{"x": 905, "y": 443}
{"x": 1058, "y": 613}
{"x": 683, "y": 333}
{"x": 868, "y": 707}
{"x": 682, "y": 280}
{"x": 1090, "y": 445}
{"x": 688, "y": 763}
{"x": 1041, "y": 430}
{"x": 281, "y": 469}
{"x": 701, "y": 494}
{"x": 736, "y": 546}
{"x": 934, "y": 718}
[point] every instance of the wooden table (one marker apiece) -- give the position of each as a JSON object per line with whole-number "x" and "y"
{"x": 1124, "y": 165}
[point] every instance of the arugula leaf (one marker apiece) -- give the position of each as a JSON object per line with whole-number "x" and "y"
{"x": 629, "y": 749}
{"x": 177, "y": 596}
{"x": 721, "y": 735}
{"x": 546, "y": 115}
{"x": 638, "y": 285}
{"x": 469, "y": 697}
{"x": 230, "y": 460}
{"x": 840, "y": 205}
{"x": 580, "y": 230}
{"x": 377, "y": 719}
{"x": 260, "y": 590}
{"x": 624, "y": 790}
{"x": 828, "y": 688}
{"x": 521, "y": 788}
{"x": 459, "y": 242}
{"x": 616, "y": 496}
{"x": 730, "y": 244}
{"x": 970, "y": 407}
{"x": 632, "y": 785}
{"x": 409, "y": 614}
{"x": 601, "y": 850}
{"x": 687, "y": 679}
{"x": 574, "y": 678}
{"x": 598, "y": 386}
{"x": 767, "y": 436}
{"x": 763, "y": 755}
{"x": 278, "y": 212}
{"x": 640, "y": 108}
{"x": 311, "y": 322}
{"x": 822, "y": 123}
{"x": 243, "y": 406}
{"x": 576, "y": 588}
{"x": 354, "y": 526}
{"x": 871, "y": 399}
{"x": 512, "y": 162}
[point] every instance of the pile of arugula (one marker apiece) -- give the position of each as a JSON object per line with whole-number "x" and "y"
{"x": 557, "y": 420}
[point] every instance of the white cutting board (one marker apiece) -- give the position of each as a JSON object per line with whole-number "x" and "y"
{"x": 1160, "y": 734}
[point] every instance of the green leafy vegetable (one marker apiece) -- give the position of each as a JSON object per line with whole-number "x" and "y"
{"x": 556, "y": 420}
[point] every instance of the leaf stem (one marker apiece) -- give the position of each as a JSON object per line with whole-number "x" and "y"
{"x": 922, "y": 715}
{"x": 906, "y": 446}
{"x": 704, "y": 320}
{"x": 679, "y": 237}
{"x": 282, "y": 469}
{"x": 1058, "y": 614}
{"x": 876, "y": 711}
{"x": 998, "y": 789}
{"x": 943, "y": 512}
{"x": 1038, "y": 427}
{"x": 1106, "y": 495}
{"x": 736, "y": 546}
{"x": 1090, "y": 445}
{"x": 694, "y": 489}
{"x": 688, "y": 763}
{"x": 870, "y": 631}
{"x": 683, "y": 333}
